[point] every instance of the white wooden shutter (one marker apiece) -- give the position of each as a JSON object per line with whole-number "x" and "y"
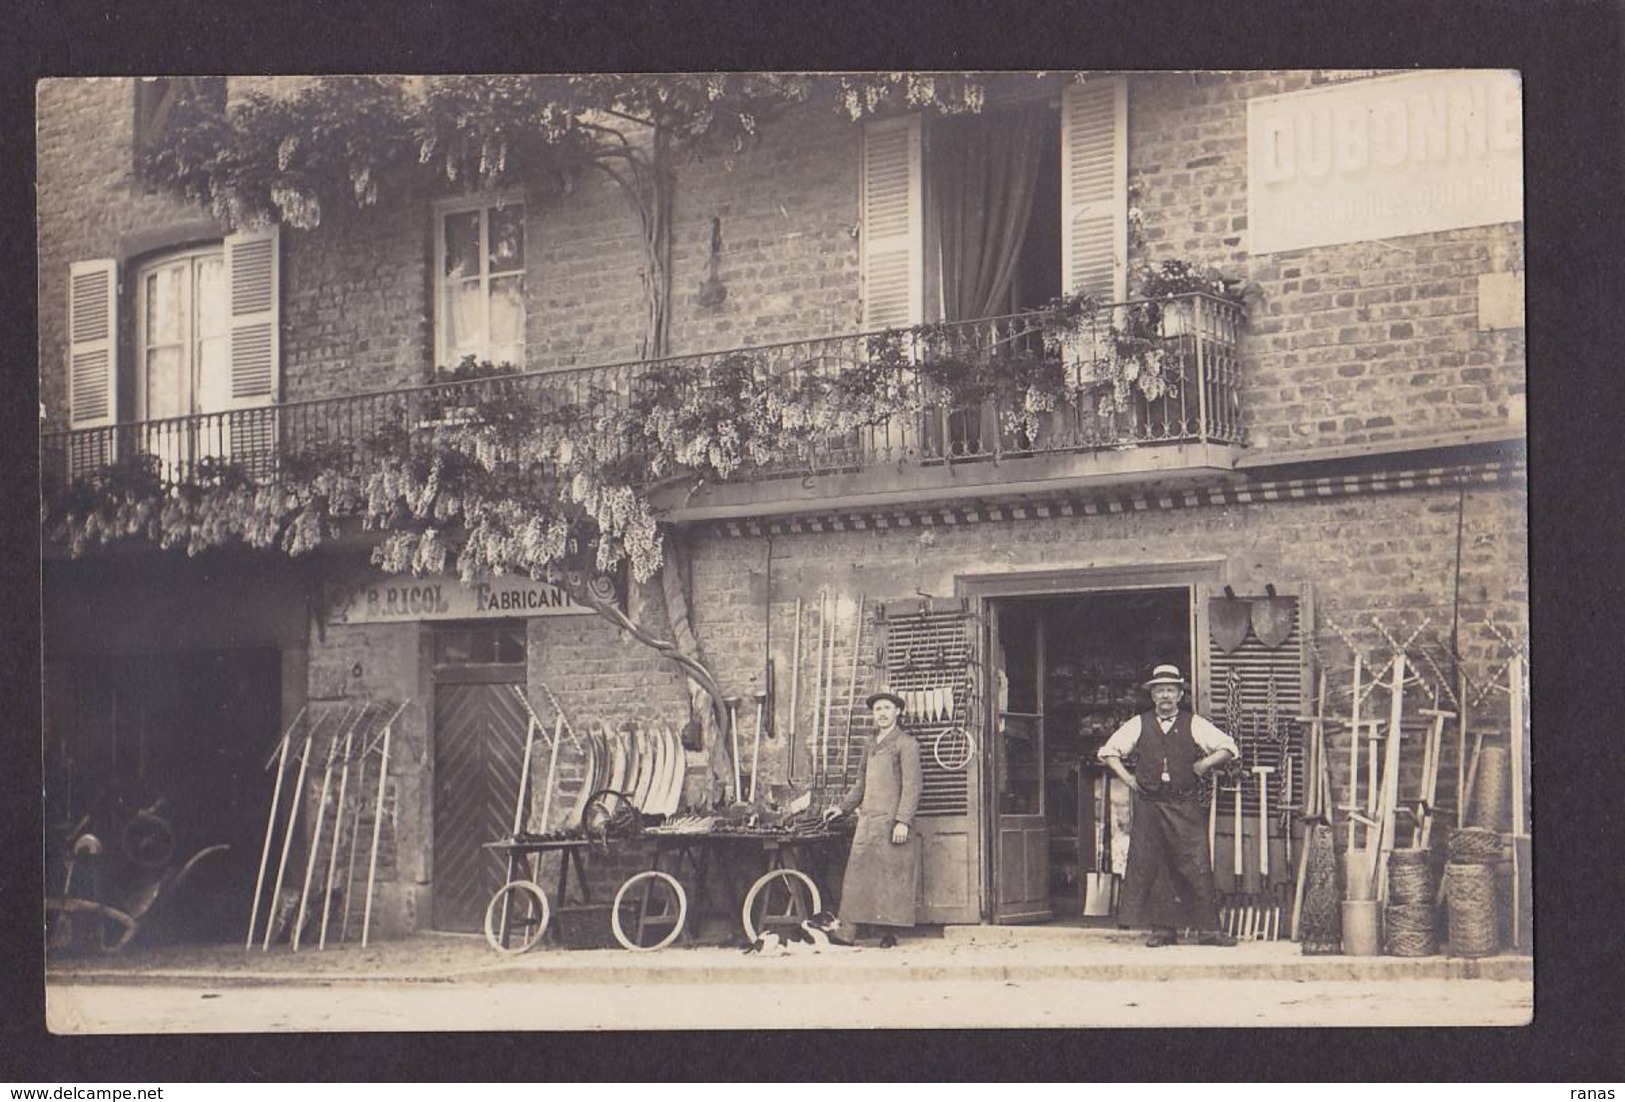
{"x": 1255, "y": 667}
{"x": 1094, "y": 188}
{"x": 252, "y": 281}
{"x": 92, "y": 344}
{"x": 253, "y": 286}
{"x": 893, "y": 252}
{"x": 925, "y": 645}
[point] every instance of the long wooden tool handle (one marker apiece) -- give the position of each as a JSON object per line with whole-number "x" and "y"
{"x": 315, "y": 844}
{"x": 1264, "y": 826}
{"x": 524, "y": 777}
{"x": 333, "y": 849}
{"x": 756, "y": 749}
{"x": 1354, "y": 751}
{"x": 852, "y": 690}
{"x": 818, "y": 686}
{"x": 1237, "y": 846}
{"x": 270, "y": 828}
{"x": 287, "y": 838}
{"x": 552, "y": 772}
{"x": 355, "y": 833}
{"x": 377, "y": 824}
{"x": 1515, "y": 742}
{"x": 1213, "y": 828}
{"x": 795, "y": 686}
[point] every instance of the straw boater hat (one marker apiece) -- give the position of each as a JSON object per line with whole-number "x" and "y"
{"x": 1166, "y": 675}
{"x": 883, "y": 694}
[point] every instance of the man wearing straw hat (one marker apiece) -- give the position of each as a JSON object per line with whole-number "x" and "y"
{"x": 881, "y": 885}
{"x": 1168, "y": 884}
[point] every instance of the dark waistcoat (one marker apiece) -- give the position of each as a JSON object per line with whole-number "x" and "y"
{"x": 1174, "y": 753}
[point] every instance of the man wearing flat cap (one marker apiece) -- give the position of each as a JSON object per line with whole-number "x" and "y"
{"x": 1168, "y": 884}
{"x": 882, "y": 882}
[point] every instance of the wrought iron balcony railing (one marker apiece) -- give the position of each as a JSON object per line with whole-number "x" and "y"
{"x": 1197, "y": 346}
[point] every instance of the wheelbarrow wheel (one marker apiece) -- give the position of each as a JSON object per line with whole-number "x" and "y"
{"x": 148, "y": 840}
{"x": 517, "y": 917}
{"x": 783, "y": 897}
{"x": 657, "y": 911}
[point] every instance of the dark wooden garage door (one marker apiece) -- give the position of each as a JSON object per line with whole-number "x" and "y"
{"x": 479, "y": 740}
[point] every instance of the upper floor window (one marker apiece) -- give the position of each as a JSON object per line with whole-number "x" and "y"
{"x": 183, "y": 364}
{"x": 156, "y": 99}
{"x": 198, "y": 371}
{"x": 987, "y": 214}
{"x": 480, "y": 282}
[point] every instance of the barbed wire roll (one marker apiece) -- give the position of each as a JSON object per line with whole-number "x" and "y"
{"x": 1408, "y": 930}
{"x": 1321, "y": 922}
{"x": 1491, "y": 806}
{"x": 1472, "y": 922}
{"x": 1410, "y": 879}
{"x": 1474, "y": 846}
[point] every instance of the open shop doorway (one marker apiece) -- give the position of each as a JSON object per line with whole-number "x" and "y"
{"x": 1067, "y": 669}
{"x": 158, "y": 756}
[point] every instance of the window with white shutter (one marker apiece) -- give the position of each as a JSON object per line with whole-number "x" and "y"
{"x": 1094, "y": 188}
{"x": 893, "y": 253}
{"x": 253, "y": 281}
{"x": 92, "y": 363}
{"x": 92, "y": 343}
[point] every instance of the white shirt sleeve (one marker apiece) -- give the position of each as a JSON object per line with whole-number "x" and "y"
{"x": 1209, "y": 738}
{"x": 1122, "y": 741}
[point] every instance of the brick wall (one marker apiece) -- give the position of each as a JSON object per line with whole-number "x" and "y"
{"x": 1347, "y": 344}
{"x": 1386, "y": 557}
{"x": 389, "y": 663}
{"x": 88, "y": 197}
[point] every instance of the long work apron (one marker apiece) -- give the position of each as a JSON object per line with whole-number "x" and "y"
{"x": 882, "y": 881}
{"x": 1169, "y": 878}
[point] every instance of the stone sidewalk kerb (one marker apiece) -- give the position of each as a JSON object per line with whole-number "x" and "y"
{"x": 963, "y": 953}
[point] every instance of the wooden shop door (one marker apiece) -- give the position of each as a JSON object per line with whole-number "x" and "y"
{"x": 1020, "y": 822}
{"x": 479, "y": 740}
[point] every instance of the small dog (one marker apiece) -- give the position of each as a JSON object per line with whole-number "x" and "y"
{"x": 815, "y": 935}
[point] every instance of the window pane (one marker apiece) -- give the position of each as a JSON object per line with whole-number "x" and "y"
{"x": 462, "y": 244}
{"x": 451, "y": 648}
{"x": 508, "y": 317}
{"x": 166, "y": 382}
{"x": 483, "y": 646}
{"x": 507, "y": 229}
{"x": 462, "y": 319}
{"x": 166, "y": 306}
{"x": 212, "y": 307}
{"x": 213, "y": 350}
{"x": 511, "y": 645}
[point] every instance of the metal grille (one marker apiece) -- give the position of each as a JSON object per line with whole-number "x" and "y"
{"x": 1256, "y": 665}
{"x": 924, "y": 647}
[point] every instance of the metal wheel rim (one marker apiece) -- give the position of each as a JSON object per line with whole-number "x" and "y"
{"x": 970, "y": 748}
{"x": 148, "y": 840}
{"x": 762, "y": 882}
{"x": 493, "y": 930}
{"x": 676, "y": 927}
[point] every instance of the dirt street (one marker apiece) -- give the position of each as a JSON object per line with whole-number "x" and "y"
{"x": 113, "y": 1008}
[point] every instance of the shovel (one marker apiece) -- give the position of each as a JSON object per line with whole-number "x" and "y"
{"x": 1100, "y": 886}
{"x": 1227, "y": 619}
{"x": 1272, "y": 617}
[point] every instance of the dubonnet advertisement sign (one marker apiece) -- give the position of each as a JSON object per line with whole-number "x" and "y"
{"x": 1386, "y": 157}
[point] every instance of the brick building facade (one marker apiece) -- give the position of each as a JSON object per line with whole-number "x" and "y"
{"x": 1380, "y": 391}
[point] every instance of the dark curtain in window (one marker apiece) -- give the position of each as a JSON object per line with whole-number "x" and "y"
{"x": 983, "y": 170}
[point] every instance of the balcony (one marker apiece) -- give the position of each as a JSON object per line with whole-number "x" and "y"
{"x": 943, "y": 437}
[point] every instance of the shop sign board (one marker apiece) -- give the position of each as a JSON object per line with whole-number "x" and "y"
{"x": 1388, "y": 157}
{"x": 405, "y": 598}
